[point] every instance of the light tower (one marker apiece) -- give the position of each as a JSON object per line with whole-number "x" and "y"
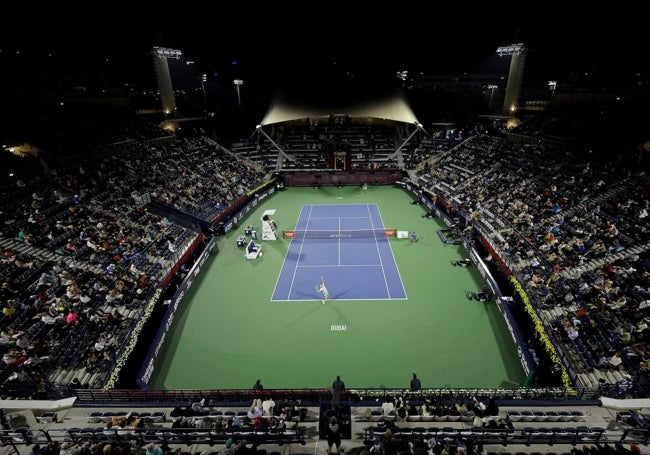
{"x": 204, "y": 78}
{"x": 515, "y": 75}
{"x": 238, "y": 83}
{"x": 160, "y": 56}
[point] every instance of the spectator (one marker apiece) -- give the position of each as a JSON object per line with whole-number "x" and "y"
{"x": 337, "y": 387}
{"x": 153, "y": 449}
{"x": 415, "y": 383}
{"x": 333, "y": 436}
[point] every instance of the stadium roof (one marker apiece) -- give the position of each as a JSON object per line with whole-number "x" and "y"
{"x": 353, "y": 98}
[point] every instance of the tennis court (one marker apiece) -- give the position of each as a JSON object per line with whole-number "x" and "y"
{"x": 348, "y": 246}
{"x": 229, "y": 330}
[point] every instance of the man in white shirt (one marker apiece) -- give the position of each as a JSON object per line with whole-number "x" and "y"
{"x": 268, "y": 406}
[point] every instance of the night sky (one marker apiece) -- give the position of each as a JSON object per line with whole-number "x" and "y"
{"x": 272, "y": 43}
{"x": 50, "y": 51}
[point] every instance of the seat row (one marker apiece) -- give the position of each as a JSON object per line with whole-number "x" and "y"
{"x": 484, "y": 435}
{"x": 108, "y": 416}
{"x": 545, "y": 416}
{"x": 186, "y": 435}
{"x": 379, "y": 416}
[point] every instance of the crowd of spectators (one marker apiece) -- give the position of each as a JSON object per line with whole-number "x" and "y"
{"x": 80, "y": 252}
{"x": 573, "y": 230}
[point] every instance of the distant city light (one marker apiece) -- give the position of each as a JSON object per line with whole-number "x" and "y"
{"x": 234, "y": 62}
{"x": 402, "y": 74}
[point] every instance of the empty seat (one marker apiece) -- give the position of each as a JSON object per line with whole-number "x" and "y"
{"x": 432, "y": 431}
{"x": 527, "y": 416}
{"x": 449, "y": 432}
{"x": 375, "y": 415}
{"x": 159, "y": 416}
{"x": 540, "y": 416}
{"x": 515, "y": 416}
{"x": 95, "y": 417}
{"x": 467, "y": 416}
{"x": 577, "y": 416}
{"x": 552, "y": 416}
{"x": 48, "y": 417}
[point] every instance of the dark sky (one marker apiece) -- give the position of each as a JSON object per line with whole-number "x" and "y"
{"x": 272, "y": 42}
{"x": 57, "y": 47}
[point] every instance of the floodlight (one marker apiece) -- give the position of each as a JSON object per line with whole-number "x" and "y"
{"x": 167, "y": 52}
{"x": 512, "y": 49}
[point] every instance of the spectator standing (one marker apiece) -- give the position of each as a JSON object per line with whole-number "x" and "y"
{"x": 333, "y": 435}
{"x": 258, "y": 385}
{"x": 415, "y": 383}
{"x": 337, "y": 387}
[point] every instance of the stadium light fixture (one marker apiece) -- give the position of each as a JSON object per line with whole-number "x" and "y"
{"x": 492, "y": 87}
{"x": 204, "y": 78}
{"x": 511, "y": 49}
{"x": 167, "y": 52}
{"x": 237, "y": 83}
{"x": 517, "y": 52}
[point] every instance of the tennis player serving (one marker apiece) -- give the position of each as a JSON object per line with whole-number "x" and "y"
{"x": 321, "y": 288}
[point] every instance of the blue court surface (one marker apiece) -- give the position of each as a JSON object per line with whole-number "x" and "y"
{"x": 345, "y": 245}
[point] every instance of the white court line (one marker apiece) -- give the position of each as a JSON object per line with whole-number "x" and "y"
{"x": 302, "y": 242}
{"x": 383, "y": 272}
{"x": 336, "y": 300}
{"x": 339, "y": 242}
{"x": 297, "y": 262}
{"x": 340, "y": 265}
{"x": 393, "y": 255}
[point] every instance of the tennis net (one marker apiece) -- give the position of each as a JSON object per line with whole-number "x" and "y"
{"x": 339, "y": 234}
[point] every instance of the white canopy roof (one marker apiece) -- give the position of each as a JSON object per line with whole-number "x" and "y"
{"x": 351, "y": 98}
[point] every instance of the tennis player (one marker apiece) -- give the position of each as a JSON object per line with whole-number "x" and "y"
{"x": 323, "y": 289}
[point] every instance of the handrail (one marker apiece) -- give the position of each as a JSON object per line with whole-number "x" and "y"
{"x": 92, "y": 397}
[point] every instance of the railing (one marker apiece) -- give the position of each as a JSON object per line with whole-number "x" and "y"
{"x": 95, "y": 397}
{"x": 505, "y": 436}
{"x": 143, "y": 436}
{"x": 297, "y": 435}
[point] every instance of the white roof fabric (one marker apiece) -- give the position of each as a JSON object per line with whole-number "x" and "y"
{"x": 352, "y": 99}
